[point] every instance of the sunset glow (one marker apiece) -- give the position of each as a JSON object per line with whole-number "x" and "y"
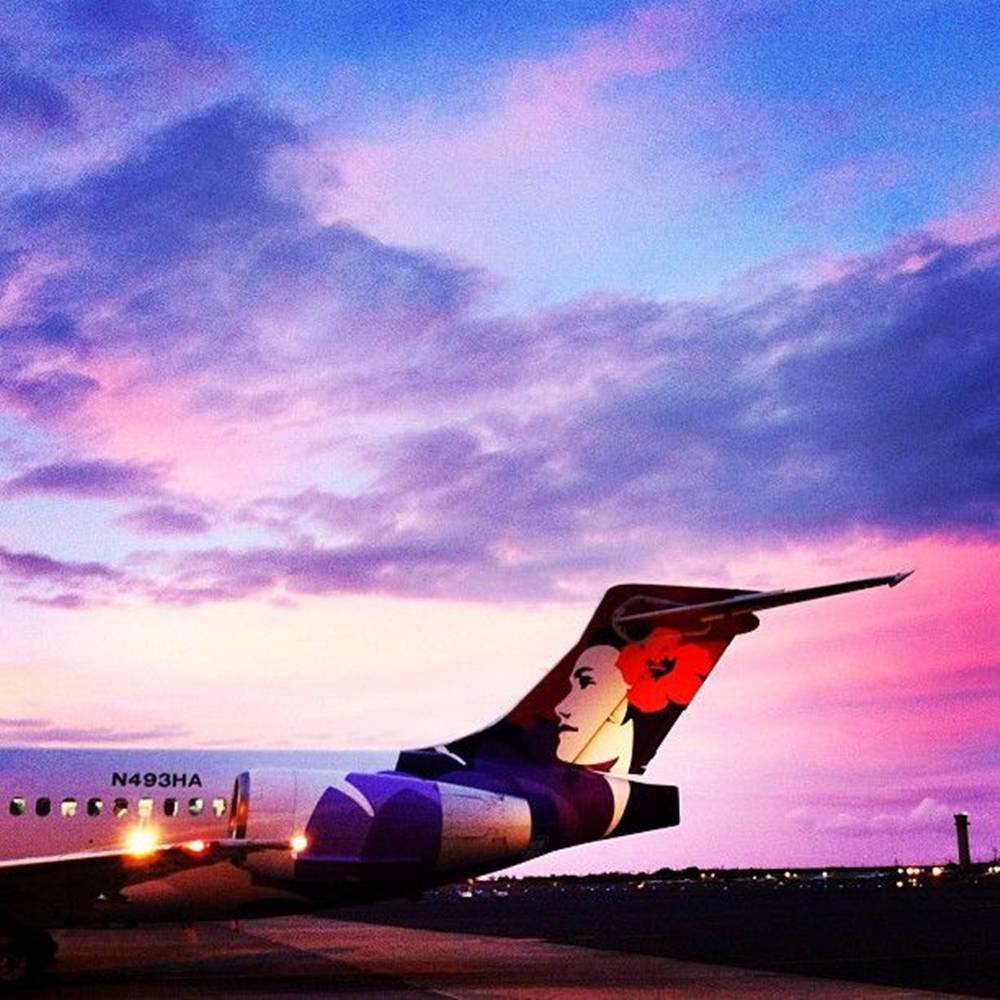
{"x": 349, "y": 352}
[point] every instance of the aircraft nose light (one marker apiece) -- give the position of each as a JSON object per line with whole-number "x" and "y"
{"x": 298, "y": 843}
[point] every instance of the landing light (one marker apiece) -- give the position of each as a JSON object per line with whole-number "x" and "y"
{"x": 298, "y": 843}
{"x": 140, "y": 842}
{"x": 195, "y": 846}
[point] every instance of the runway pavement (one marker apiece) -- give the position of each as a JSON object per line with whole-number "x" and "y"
{"x": 307, "y": 957}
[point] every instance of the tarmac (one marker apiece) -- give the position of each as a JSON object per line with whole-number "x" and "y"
{"x": 308, "y": 957}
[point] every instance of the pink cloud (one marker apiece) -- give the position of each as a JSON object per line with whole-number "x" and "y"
{"x": 165, "y": 519}
{"x": 548, "y": 135}
{"x": 927, "y": 815}
{"x": 979, "y": 218}
{"x": 155, "y": 422}
{"x": 545, "y": 96}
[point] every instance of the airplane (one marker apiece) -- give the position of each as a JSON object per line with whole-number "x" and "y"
{"x": 106, "y": 836}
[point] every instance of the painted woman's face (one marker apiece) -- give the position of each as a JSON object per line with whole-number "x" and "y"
{"x": 592, "y": 726}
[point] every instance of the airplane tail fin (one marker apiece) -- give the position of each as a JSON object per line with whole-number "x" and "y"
{"x": 609, "y": 703}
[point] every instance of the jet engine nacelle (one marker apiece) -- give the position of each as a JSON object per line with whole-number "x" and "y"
{"x": 365, "y": 828}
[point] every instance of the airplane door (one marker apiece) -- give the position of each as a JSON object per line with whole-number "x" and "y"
{"x": 240, "y": 806}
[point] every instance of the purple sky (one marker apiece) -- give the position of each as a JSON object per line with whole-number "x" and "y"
{"x": 348, "y": 352}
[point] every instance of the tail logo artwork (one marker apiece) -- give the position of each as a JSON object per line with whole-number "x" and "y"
{"x": 610, "y": 690}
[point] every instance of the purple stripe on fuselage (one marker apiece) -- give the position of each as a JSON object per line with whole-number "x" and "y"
{"x": 569, "y": 804}
{"x": 405, "y": 824}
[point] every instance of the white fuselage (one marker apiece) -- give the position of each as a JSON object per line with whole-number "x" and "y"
{"x": 56, "y": 802}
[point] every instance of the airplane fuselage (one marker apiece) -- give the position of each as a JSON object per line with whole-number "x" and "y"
{"x": 63, "y": 801}
{"x": 107, "y": 835}
{"x": 69, "y": 805}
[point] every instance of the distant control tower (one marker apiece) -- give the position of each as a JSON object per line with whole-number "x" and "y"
{"x": 962, "y": 831}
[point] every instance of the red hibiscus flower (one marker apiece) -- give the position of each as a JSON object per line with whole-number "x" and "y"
{"x": 662, "y": 670}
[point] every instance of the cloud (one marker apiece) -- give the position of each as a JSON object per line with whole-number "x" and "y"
{"x": 32, "y": 102}
{"x": 927, "y": 815}
{"x": 384, "y": 433}
{"x": 183, "y": 259}
{"x": 544, "y": 95}
{"x": 64, "y": 601}
{"x": 840, "y": 187}
{"x": 868, "y": 401}
{"x": 137, "y": 21}
{"x": 95, "y": 479}
{"x": 37, "y": 732}
{"x": 164, "y": 519}
{"x": 48, "y": 394}
{"x": 865, "y": 402}
{"x": 406, "y": 567}
{"x": 85, "y": 81}
{"x": 371, "y": 515}
{"x": 979, "y": 216}
{"x": 64, "y": 584}
{"x": 54, "y": 330}
{"x": 196, "y": 186}
{"x": 34, "y": 566}
{"x": 340, "y": 268}
{"x": 622, "y": 143}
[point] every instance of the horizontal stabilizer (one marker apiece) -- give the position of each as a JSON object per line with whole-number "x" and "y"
{"x": 687, "y": 616}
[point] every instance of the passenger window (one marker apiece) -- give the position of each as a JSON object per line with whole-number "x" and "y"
{"x": 219, "y": 808}
{"x": 94, "y": 807}
{"x": 195, "y": 806}
{"x": 43, "y": 807}
{"x": 120, "y": 808}
{"x": 18, "y": 805}
{"x": 68, "y": 808}
{"x": 145, "y": 809}
{"x": 170, "y": 807}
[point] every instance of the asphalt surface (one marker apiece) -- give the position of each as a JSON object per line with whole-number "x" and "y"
{"x": 944, "y": 938}
{"x": 308, "y": 957}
